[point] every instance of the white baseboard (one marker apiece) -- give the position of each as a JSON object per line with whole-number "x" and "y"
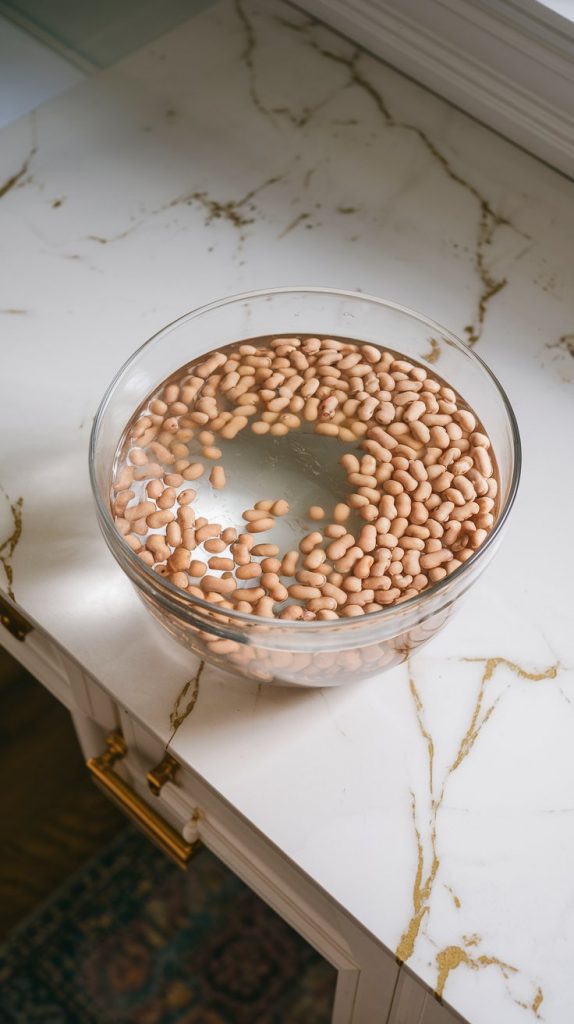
{"x": 510, "y": 63}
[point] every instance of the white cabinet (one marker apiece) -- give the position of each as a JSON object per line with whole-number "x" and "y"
{"x": 176, "y": 808}
{"x": 414, "y": 1004}
{"x": 53, "y": 667}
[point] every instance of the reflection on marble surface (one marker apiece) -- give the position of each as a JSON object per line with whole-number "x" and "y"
{"x": 433, "y": 803}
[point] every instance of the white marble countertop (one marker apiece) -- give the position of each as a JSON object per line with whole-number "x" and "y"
{"x": 250, "y": 148}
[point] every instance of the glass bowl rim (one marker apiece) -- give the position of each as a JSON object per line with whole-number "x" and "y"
{"x": 174, "y": 595}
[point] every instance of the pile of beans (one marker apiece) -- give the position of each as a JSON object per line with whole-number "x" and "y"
{"x": 422, "y": 486}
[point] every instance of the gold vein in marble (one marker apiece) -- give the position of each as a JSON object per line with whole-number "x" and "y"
{"x": 455, "y": 899}
{"x": 490, "y": 285}
{"x": 565, "y": 343}
{"x": 299, "y": 219}
{"x": 535, "y": 1005}
{"x": 453, "y": 956}
{"x": 423, "y": 729}
{"x": 434, "y": 351}
{"x": 247, "y": 57}
{"x": 8, "y": 546}
{"x": 298, "y": 120}
{"x": 16, "y": 179}
{"x": 215, "y": 209}
{"x": 232, "y": 209}
{"x": 422, "y": 890}
{"x": 489, "y": 219}
{"x": 184, "y": 705}
{"x": 490, "y": 666}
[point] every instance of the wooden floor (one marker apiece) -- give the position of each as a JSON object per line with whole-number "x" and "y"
{"x": 52, "y": 817}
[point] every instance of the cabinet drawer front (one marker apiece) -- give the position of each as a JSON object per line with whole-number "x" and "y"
{"x": 171, "y": 800}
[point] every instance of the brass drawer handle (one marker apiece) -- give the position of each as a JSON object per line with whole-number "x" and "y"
{"x": 14, "y": 621}
{"x": 163, "y": 772}
{"x": 102, "y": 770}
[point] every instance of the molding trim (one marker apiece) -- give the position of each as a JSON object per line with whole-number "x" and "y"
{"x": 510, "y": 66}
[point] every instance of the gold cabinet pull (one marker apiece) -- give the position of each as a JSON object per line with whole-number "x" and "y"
{"x": 102, "y": 771}
{"x": 14, "y": 621}
{"x": 163, "y": 772}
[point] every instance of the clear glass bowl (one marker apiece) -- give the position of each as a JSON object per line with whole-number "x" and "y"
{"x": 323, "y": 653}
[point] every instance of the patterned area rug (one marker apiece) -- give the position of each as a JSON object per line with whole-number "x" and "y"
{"x": 130, "y": 938}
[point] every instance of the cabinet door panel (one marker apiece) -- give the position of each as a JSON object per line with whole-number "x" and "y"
{"x": 414, "y": 1004}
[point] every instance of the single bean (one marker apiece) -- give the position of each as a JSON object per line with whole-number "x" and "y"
{"x": 215, "y": 546}
{"x": 207, "y": 532}
{"x": 270, "y": 564}
{"x": 157, "y": 519}
{"x": 398, "y": 527}
{"x": 477, "y": 538}
{"x": 303, "y": 593}
{"x": 330, "y": 590}
{"x": 264, "y": 607}
{"x": 249, "y": 594}
{"x": 441, "y": 482}
{"x": 327, "y": 429}
{"x": 438, "y": 435}
{"x": 479, "y": 482}
{"x": 229, "y": 535}
{"x": 482, "y": 460}
{"x": 217, "y": 476}
{"x": 348, "y": 560}
{"x": 289, "y": 563}
{"x": 352, "y": 584}
{"x": 341, "y": 512}
{"x": 338, "y": 547}
{"x": 233, "y": 426}
{"x": 408, "y": 482}
{"x": 194, "y": 471}
{"x": 362, "y": 567}
{"x": 319, "y": 604}
{"x": 310, "y": 578}
{"x": 167, "y": 498}
{"x": 249, "y": 571}
{"x": 362, "y": 480}
{"x": 433, "y": 559}
{"x": 180, "y": 559}
{"x": 312, "y": 540}
{"x": 266, "y": 550}
{"x": 261, "y": 525}
{"x": 335, "y": 530}
{"x": 179, "y": 579}
{"x": 280, "y": 507}
{"x": 314, "y": 560}
{"x": 221, "y": 564}
{"x": 358, "y": 501}
{"x": 316, "y": 512}
{"x": 139, "y": 511}
{"x": 367, "y": 539}
{"x": 251, "y": 515}
{"x": 478, "y": 439}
